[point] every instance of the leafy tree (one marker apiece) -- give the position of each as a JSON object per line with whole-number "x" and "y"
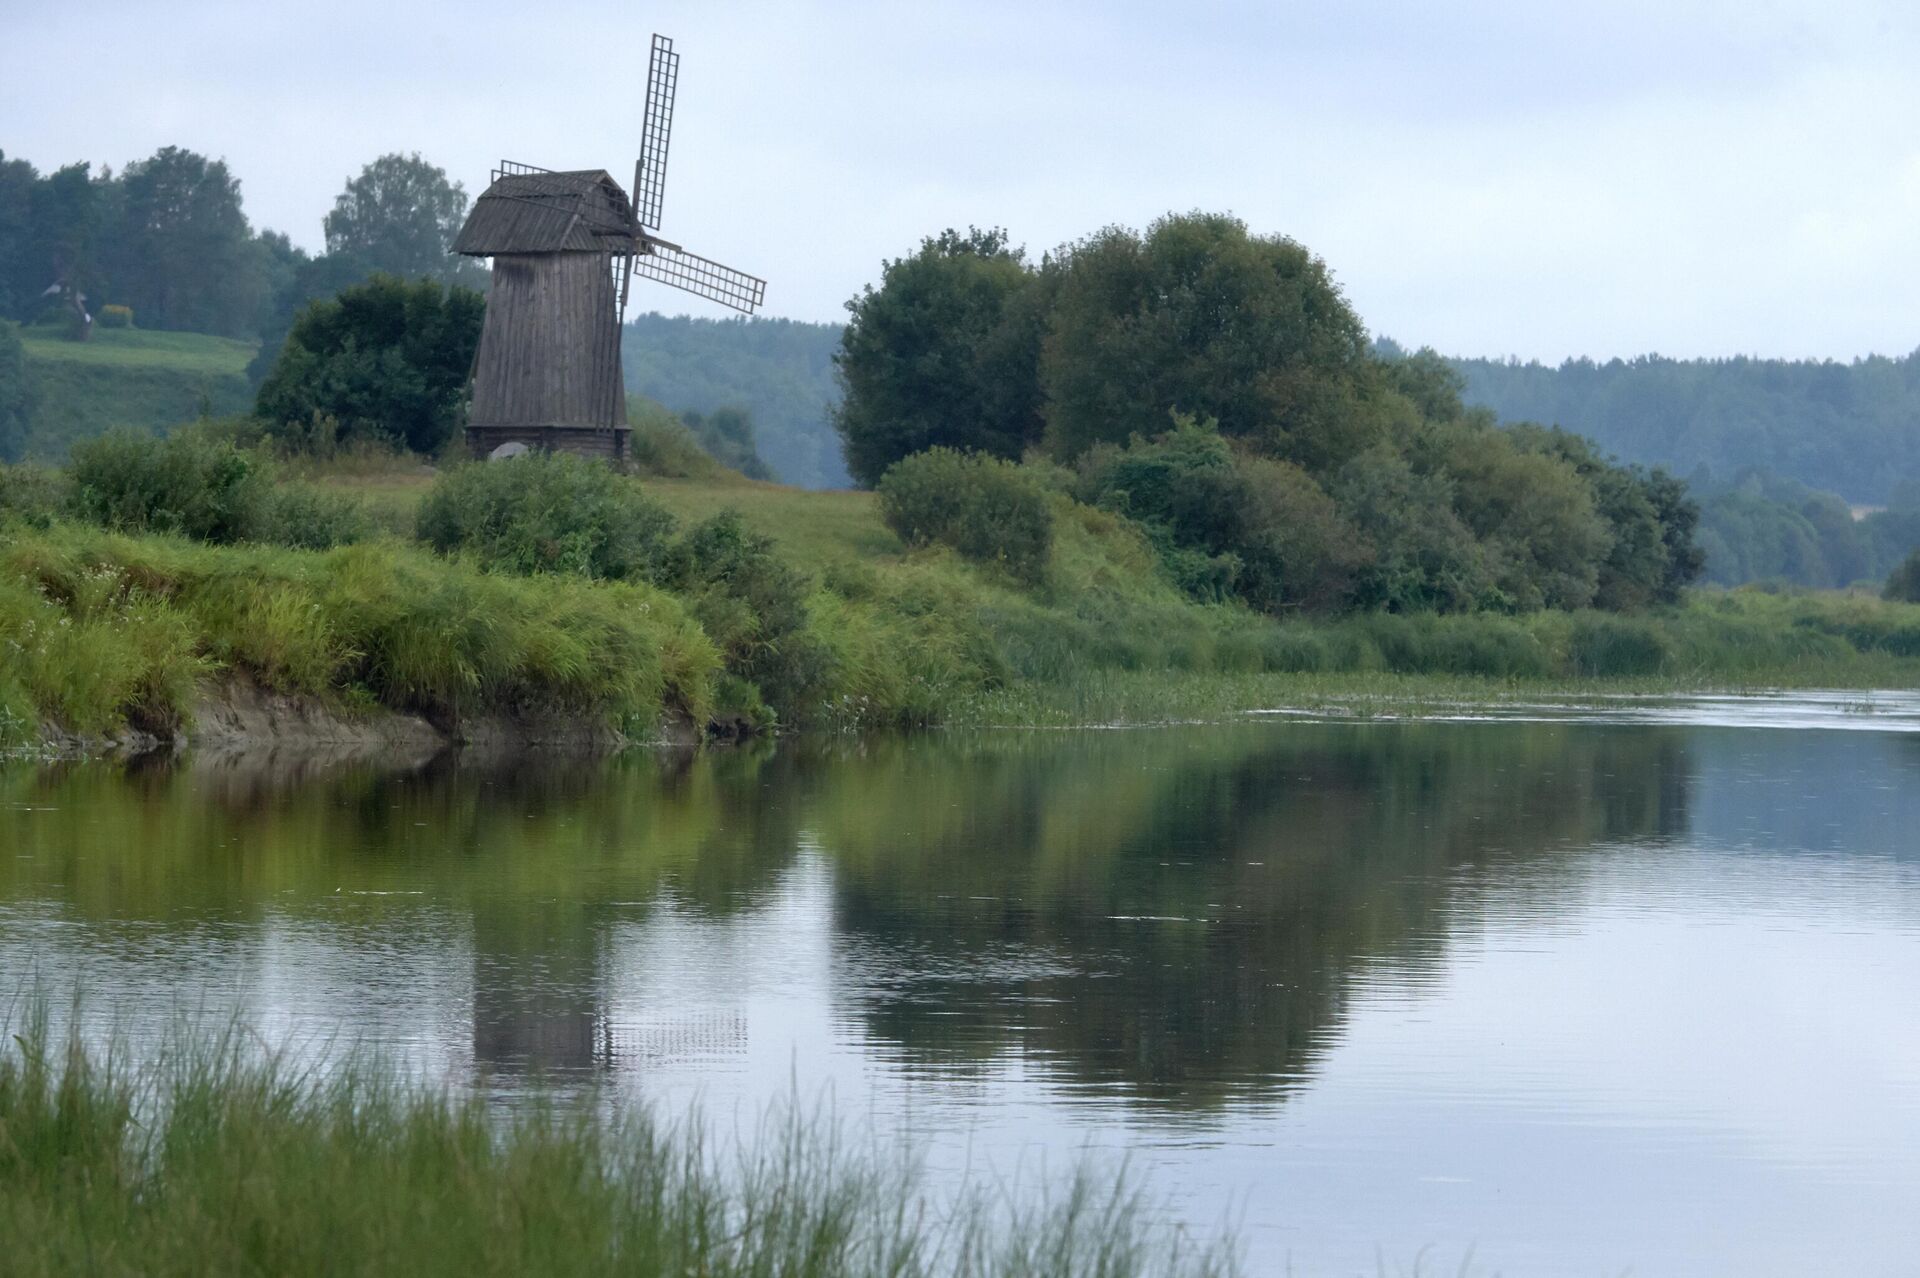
{"x": 16, "y": 394}
{"x": 305, "y": 281}
{"x": 18, "y": 269}
{"x": 400, "y": 216}
{"x": 181, "y": 252}
{"x": 1649, "y": 519}
{"x": 64, "y": 212}
{"x": 1425, "y": 557}
{"x": 943, "y": 354}
{"x": 384, "y": 359}
{"x": 1903, "y": 583}
{"x": 1530, "y": 510}
{"x": 1202, "y": 317}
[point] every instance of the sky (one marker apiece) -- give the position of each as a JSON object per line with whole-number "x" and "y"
{"x": 1530, "y": 178}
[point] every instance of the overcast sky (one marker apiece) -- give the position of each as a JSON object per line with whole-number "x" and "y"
{"x": 1491, "y": 178}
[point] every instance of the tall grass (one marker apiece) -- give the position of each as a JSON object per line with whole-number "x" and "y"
{"x": 221, "y": 1159}
{"x": 103, "y": 631}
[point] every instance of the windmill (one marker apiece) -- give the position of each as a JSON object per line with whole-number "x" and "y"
{"x": 565, "y": 248}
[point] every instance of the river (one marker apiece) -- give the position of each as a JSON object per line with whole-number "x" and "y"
{"x": 1553, "y": 990}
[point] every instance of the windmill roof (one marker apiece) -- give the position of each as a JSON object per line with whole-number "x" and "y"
{"x": 582, "y": 211}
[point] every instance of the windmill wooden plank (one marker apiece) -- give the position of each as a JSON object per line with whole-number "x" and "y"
{"x": 564, "y": 246}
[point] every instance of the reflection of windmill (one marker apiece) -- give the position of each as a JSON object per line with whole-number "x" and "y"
{"x": 565, "y": 247}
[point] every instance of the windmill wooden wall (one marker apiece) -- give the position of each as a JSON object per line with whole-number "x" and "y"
{"x": 548, "y": 370}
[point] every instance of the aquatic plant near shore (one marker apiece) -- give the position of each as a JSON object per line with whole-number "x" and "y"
{"x": 220, "y": 1159}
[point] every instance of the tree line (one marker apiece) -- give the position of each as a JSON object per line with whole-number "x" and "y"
{"x": 165, "y": 243}
{"x": 1851, "y": 429}
{"x": 1214, "y": 386}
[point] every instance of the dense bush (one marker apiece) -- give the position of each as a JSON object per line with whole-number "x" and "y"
{"x": 985, "y": 508}
{"x": 112, "y": 316}
{"x": 385, "y": 358}
{"x": 184, "y": 483}
{"x": 198, "y": 483}
{"x": 1903, "y": 583}
{"x": 753, "y": 607}
{"x": 546, "y": 512}
{"x": 1226, "y": 522}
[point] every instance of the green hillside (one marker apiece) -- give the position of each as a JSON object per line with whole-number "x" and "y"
{"x": 127, "y": 377}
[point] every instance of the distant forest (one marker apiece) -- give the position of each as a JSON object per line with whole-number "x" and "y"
{"x": 779, "y": 370}
{"x": 1851, "y": 429}
{"x": 1775, "y": 451}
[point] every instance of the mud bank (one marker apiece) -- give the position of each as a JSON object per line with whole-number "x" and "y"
{"x": 238, "y": 717}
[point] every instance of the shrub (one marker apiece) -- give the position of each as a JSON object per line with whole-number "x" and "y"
{"x": 546, "y": 512}
{"x": 985, "y": 508}
{"x": 1228, "y": 523}
{"x": 116, "y": 316}
{"x": 1903, "y": 583}
{"x": 753, "y": 607}
{"x": 185, "y": 483}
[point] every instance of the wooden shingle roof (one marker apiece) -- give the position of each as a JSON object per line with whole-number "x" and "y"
{"x": 583, "y": 211}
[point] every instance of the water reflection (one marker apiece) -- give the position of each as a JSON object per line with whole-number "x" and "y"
{"x": 1171, "y": 914}
{"x": 1327, "y": 967}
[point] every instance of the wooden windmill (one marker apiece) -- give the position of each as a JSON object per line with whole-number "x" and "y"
{"x": 565, "y": 248}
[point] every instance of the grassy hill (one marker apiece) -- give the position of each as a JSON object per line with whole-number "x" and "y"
{"x": 127, "y": 377}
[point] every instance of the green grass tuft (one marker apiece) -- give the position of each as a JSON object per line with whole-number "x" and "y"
{"x": 226, "y": 1160}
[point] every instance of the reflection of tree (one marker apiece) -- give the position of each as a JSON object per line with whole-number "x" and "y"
{"x": 1180, "y": 913}
{"x": 1177, "y": 913}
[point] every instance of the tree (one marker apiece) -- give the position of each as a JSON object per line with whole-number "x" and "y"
{"x": 1903, "y": 583}
{"x": 17, "y": 268}
{"x": 400, "y": 216}
{"x": 944, "y": 353}
{"x": 66, "y": 214}
{"x": 1202, "y": 317}
{"x": 181, "y": 253}
{"x": 384, "y": 359}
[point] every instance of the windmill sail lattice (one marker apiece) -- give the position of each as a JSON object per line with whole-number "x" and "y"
{"x": 656, "y": 130}
{"x": 565, "y": 247}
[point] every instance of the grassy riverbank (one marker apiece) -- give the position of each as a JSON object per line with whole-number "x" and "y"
{"x": 105, "y": 633}
{"x": 222, "y": 1161}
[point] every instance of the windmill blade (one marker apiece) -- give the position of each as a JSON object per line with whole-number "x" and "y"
{"x": 671, "y": 264}
{"x": 650, "y": 170}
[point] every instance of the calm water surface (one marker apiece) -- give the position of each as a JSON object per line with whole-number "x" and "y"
{"x": 1565, "y": 991}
